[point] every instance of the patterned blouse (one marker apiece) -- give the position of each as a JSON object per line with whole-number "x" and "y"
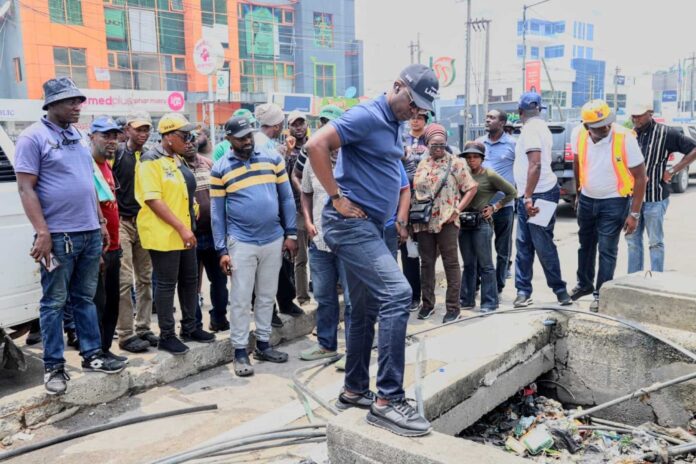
{"x": 426, "y": 182}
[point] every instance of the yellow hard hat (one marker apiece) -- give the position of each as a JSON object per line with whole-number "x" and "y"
{"x": 596, "y": 113}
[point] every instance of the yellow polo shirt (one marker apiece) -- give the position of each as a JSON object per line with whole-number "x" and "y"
{"x": 158, "y": 177}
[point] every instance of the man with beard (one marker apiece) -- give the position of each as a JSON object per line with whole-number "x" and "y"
{"x": 253, "y": 218}
{"x": 103, "y": 134}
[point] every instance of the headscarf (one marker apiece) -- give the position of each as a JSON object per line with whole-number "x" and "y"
{"x": 432, "y": 130}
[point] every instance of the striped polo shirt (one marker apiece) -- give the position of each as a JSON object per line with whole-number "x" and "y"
{"x": 251, "y": 200}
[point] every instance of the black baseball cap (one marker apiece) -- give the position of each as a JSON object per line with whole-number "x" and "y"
{"x": 238, "y": 127}
{"x": 423, "y": 84}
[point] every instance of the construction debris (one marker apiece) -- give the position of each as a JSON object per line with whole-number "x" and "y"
{"x": 539, "y": 428}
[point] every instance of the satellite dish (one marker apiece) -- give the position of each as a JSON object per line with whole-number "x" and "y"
{"x": 351, "y": 92}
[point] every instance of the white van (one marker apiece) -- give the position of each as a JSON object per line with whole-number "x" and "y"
{"x": 20, "y": 280}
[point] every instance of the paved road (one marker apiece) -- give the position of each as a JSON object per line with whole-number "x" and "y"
{"x": 266, "y": 400}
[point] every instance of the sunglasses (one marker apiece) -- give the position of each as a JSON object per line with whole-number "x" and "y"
{"x": 437, "y": 146}
{"x": 187, "y": 137}
{"x": 412, "y": 102}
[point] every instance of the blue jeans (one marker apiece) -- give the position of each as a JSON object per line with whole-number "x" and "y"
{"x": 391, "y": 238}
{"x": 600, "y": 223}
{"x": 503, "y": 222}
{"x": 652, "y": 217}
{"x": 219, "y": 295}
{"x": 532, "y": 239}
{"x": 378, "y": 288}
{"x": 475, "y": 248}
{"x": 327, "y": 271}
{"x": 75, "y": 278}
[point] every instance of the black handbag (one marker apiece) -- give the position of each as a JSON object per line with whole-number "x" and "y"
{"x": 470, "y": 220}
{"x": 422, "y": 211}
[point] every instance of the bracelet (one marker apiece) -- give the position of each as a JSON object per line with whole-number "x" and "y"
{"x": 102, "y": 221}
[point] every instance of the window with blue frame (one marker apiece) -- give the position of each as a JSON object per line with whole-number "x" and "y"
{"x": 519, "y": 27}
{"x": 588, "y": 53}
{"x": 555, "y": 51}
{"x": 559, "y": 27}
{"x": 535, "y": 52}
{"x": 575, "y": 29}
{"x": 534, "y": 26}
{"x": 590, "y": 32}
{"x": 520, "y": 51}
{"x": 580, "y": 52}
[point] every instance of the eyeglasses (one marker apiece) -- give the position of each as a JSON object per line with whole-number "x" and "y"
{"x": 412, "y": 102}
{"x": 437, "y": 146}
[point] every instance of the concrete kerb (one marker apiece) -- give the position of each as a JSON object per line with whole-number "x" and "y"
{"x": 33, "y": 406}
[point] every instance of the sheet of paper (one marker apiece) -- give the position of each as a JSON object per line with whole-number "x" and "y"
{"x": 546, "y": 211}
{"x": 411, "y": 248}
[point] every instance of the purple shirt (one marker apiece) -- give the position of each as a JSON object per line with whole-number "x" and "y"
{"x": 62, "y": 161}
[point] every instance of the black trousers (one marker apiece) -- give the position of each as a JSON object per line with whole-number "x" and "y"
{"x": 175, "y": 270}
{"x": 286, "y": 284}
{"x": 107, "y": 297}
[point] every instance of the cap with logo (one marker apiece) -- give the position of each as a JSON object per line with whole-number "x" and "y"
{"x": 174, "y": 121}
{"x": 596, "y": 113}
{"x": 104, "y": 124}
{"x": 640, "y": 108}
{"x": 423, "y": 84}
{"x": 238, "y": 127}
{"x": 269, "y": 114}
{"x": 246, "y": 114}
{"x": 138, "y": 119}
{"x": 530, "y": 101}
{"x": 295, "y": 115}
{"x": 59, "y": 89}
{"x": 330, "y": 112}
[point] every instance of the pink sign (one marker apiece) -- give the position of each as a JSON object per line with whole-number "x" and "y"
{"x": 176, "y": 101}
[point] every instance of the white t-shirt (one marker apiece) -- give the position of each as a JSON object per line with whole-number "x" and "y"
{"x": 535, "y": 136}
{"x": 601, "y": 179}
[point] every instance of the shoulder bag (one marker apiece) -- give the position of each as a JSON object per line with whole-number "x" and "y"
{"x": 422, "y": 211}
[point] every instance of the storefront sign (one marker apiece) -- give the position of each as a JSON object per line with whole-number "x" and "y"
{"x": 124, "y": 101}
{"x": 115, "y": 24}
{"x": 20, "y": 110}
{"x": 261, "y": 32}
{"x": 222, "y": 85}
{"x": 533, "y": 77}
{"x": 208, "y": 56}
{"x": 444, "y": 70}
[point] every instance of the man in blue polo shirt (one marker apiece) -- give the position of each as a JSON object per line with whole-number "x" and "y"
{"x": 55, "y": 173}
{"x": 500, "y": 157}
{"x": 363, "y": 195}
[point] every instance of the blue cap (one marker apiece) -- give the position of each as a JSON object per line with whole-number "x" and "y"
{"x": 104, "y": 124}
{"x": 530, "y": 101}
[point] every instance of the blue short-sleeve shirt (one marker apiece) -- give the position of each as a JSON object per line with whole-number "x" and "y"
{"x": 368, "y": 170}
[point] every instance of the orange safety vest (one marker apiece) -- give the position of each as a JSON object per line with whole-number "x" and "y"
{"x": 619, "y": 157}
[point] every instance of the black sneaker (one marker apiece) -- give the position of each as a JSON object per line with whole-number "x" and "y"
{"x": 363, "y": 401}
{"x": 578, "y": 292}
{"x": 522, "y": 301}
{"x": 218, "y": 326}
{"x": 198, "y": 335}
{"x": 450, "y": 316}
{"x": 172, "y": 345}
{"x": 563, "y": 298}
{"x": 292, "y": 310}
{"x": 276, "y": 321}
{"x": 115, "y": 357}
{"x": 415, "y": 306}
{"x": 101, "y": 363}
{"x": 425, "y": 313}
{"x": 72, "y": 339}
{"x": 399, "y": 417}
{"x": 56, "y": 380}
{"x": 134, "y": 344}
{"x": 149, "y": 337}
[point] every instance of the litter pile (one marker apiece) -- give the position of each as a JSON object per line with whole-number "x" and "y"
{"x": 538, "y": 428}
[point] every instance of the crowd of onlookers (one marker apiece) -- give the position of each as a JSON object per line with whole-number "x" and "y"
{"x": 122, "y": 226}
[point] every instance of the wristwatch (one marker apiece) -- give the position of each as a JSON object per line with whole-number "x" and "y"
{"x": 102, "y": 221}
{"x": 291, "y": 237}
{"x": 402, "y": 223}
{"x": 670, "y": 171}
{"x": 337, "y": 196}
{"x": 635, "y": 216}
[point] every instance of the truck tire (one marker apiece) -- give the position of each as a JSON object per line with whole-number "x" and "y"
{"x": 680, "y": 182}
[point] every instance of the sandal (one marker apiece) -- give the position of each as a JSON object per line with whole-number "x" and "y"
{"x": 242, "y": 367}
{"x": 270, "y": 355}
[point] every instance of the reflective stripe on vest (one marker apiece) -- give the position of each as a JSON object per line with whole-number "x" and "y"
{"x": 624, "y": 178}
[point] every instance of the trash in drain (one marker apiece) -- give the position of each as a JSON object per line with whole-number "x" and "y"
{"x": 538, "y": 428}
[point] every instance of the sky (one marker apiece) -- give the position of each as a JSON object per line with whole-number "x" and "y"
{"x": 639, "y": 37}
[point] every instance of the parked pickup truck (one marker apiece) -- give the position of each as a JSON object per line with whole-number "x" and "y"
{"x": 680, "y": 182}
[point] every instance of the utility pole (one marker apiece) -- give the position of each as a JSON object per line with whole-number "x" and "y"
{"x": 616, "y": 89}
{"x": 467, "y": 71}
{"x": 524, "y": 42}
{"x": 591, "y": 88}
{"x": 553, "y": 91}
{"x": 478, "y": 25}
{"x": 415, "y": 47}
{"x": 419, "y": 47}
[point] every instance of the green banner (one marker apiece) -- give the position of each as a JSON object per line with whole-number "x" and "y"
{"x": 115, "y": 24}
{"x": 261, "y": 32}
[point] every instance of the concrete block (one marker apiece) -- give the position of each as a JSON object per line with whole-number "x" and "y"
{"x": 40, "y": 414}
{"x": 352, "y": 440}
{"x": 96, "y": 388}
{"x": 667, "y": 299}
{"x": 488, "y": 397}
{"x": 9, "y": 425}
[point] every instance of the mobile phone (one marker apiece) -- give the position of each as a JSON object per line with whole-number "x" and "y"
{"x": 51, "y": 264}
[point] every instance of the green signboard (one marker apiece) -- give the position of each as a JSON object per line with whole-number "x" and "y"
{"x": 261, "y": 32}
{"x": 115, "y": 24}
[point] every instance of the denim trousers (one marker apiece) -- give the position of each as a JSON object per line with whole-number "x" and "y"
{"x": 600, "y": 223}
{"x": 391, "y": 238}
{"x": 475, "y": 247}
{"x": 532, "y": 239}
{"x": 503, "y": 222}
{"x": 443, "y": 243}
{"x": 378, "y": 289}
{"x": 219, "y": 295}
{"x": 107, "y": 297}
{"x": 175, "y": 271}
{"x": 327, "y": 271}
{"x": 75, "y": 279}
{"x": 652, "y": 218}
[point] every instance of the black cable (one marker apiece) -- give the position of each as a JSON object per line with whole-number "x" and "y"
{"x": 102, "y": 428}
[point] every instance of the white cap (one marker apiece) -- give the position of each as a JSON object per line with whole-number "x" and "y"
{"x": 269, "y": 114}
{"x": 639, "y": 108}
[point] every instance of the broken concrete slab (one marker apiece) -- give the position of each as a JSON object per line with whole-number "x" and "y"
{"x": 667, "y": 299}
{"x": 351, "y": 440}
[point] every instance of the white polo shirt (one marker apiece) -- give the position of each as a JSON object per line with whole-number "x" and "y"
{"x": 600, "y": 182}
{"x": 535, "y": 136}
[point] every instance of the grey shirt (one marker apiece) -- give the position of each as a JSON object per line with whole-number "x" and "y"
{"x": 311, "y": 185}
